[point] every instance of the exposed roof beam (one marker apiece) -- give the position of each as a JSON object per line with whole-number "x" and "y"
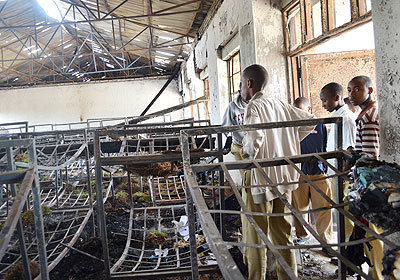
{"x": 110, "y": 12}
{"x": 150, "y": 11}
{"x": 36, "y": 62}
{"x": 98, "y": 20}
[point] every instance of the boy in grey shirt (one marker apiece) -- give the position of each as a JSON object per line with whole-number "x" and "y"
{"x": 234, "y": 115}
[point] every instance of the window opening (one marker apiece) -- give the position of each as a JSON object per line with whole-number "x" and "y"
{"x": 234, "y": 75}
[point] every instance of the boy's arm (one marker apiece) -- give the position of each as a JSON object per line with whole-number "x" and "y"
{"x": 252, "y": 139}
{"x": 298, "y": 114}
{"x": 227, "y": 118}
{"x": 349, "y": 133}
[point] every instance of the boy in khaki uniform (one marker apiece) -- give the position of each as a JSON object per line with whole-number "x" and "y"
{"x": 270, "y": 143}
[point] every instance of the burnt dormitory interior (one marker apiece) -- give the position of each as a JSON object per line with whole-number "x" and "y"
{"x": 114, "y": 163}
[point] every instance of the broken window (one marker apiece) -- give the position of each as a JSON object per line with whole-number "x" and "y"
{"x": 294, "y": 27}
{"x": 313, "y": 18}
{"x": 342, "y": 12}
{"x": 206, "y": 87}
{"x": 234, "y": 75}
{"x": 309, "y": 22}
{"x": 364, "y": 6}
{"x": 206, "y": 84}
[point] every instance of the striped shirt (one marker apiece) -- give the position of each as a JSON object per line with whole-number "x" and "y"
{"x": 367, "y": 137}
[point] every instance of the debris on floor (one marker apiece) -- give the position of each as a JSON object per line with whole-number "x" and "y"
{"x": 17, "y": 272}
{"x": 157, "y": 169}
{"x": 375, "y": 194}
{"x": 391, "y": 264}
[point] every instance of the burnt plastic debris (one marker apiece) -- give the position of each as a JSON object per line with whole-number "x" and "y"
{"x": 375, "y": 195}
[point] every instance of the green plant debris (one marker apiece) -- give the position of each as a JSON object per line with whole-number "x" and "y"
{"x": 121, "y": 195}
{"x": 84, "y": 194}
{"x": 46, "y": 210}
{"x": 157, "y": 238}
{"x": 22, "y": 158}
{"x": 28, "y": 217}
{"x": 141, "y": 197}
{"x": 45, "y": 178}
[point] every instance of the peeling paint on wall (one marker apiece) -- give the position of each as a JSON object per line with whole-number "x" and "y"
{"x": 321, "y": 69}
{"x": 258, "y": 24}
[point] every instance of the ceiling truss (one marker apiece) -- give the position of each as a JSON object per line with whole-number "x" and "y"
{"x": 92, "y": 39}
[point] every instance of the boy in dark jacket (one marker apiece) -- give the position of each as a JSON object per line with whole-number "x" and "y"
{"x": 315, "y": 142}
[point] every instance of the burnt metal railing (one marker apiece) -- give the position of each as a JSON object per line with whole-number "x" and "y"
{"x": 215, "y": 233}
{"x": 133, "y": 154}
{"x": 29, "y": 183}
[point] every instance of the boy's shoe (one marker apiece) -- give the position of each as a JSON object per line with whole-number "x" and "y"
{"x": 302, "y": 240}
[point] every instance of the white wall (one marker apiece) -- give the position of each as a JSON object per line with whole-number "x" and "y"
{"x": 254, "y": 27}
{"x": 270, "y": 46}
{"x": 234, "y": 17}
{"x": 75, "y": 103}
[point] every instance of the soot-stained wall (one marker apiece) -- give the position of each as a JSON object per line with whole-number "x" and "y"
{"x": 386, "y": 18}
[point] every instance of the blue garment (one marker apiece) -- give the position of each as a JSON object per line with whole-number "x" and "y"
{"x": 315, "y": 142}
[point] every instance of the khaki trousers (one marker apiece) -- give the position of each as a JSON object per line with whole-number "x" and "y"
{"x": 277, "y": 229}
{"x": 323, "y": 219}
{"x": 235, "y": 150}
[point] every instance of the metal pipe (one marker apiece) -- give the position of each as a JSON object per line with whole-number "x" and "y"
{"x": 173, "y": 75}
{"x": 102, "y": 231}
{"x": 89, "y": 184}
{"x": 20, "y": 228}
{"x": 190, "y": 213}
{"x": 37, "y": 210}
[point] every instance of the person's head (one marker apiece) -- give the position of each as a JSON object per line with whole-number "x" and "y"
{"x": 254, "y": 78}
{"x": 302, "y": 103}
{"x": 360, "y": 89}
{"x": 351, "y": 106}
{"x": 331, "y": 96}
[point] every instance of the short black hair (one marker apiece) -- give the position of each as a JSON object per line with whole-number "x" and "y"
{"x": 301, "y": 101}
{"x": 333, "y": 89}
{"x": 364, "y": 79}
{"x": 257, "y": 74}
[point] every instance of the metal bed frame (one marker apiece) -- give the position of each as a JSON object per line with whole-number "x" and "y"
{"x": 29, "y": 182}
{"x": 124, "y": 267}
{"x": 216, "y": 239}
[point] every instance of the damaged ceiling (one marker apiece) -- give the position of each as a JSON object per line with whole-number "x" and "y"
{"x": 61, "y": 41}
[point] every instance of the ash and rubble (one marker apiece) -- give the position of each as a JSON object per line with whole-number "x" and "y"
{"x": 375, "y": 195}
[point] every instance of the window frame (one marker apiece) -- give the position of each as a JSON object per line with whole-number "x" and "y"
{"x": 359, "y": 16}
{"x": 231, "y": 74}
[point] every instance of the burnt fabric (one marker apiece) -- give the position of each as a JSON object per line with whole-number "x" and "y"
{"x": 375, "y": 194}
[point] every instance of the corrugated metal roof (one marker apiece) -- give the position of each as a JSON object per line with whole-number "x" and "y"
{"x": 94, "y": 39}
